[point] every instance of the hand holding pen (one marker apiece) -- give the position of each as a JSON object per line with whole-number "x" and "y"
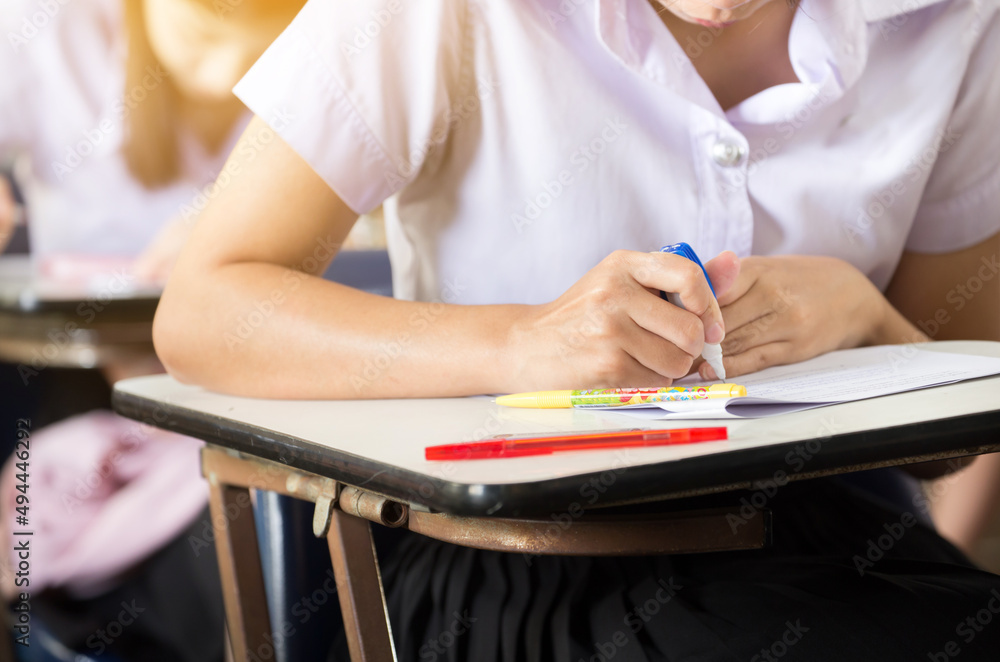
{"x": 612, "y": 328}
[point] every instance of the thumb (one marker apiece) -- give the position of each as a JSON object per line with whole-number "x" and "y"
{"x": 723, "y": 270}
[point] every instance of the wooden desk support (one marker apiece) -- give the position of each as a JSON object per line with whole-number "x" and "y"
{"x": 343, "y": 515}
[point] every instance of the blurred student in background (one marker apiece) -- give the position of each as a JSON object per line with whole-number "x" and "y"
{"x": 118, "y": 116}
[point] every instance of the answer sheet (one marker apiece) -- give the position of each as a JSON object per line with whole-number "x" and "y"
{"x": 841, "y": 376}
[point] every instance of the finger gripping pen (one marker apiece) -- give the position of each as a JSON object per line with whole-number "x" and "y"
{"x": 712, "y": 352}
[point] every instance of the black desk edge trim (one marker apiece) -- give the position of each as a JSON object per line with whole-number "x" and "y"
{"x": 951, "y": 437}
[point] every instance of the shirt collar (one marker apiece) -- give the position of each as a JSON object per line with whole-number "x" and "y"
{"x": 828, "y": 45}
{"x": 619, "y": 29}
{"x": 621, "y": 24}
{"x": 879, "y": 10}
{"x": 873, "y": 10}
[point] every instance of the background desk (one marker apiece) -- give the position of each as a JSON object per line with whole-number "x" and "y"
{"x": 45, "y": 326}
{"x": 50, "y": 338}
{"x": 71, "y": 327}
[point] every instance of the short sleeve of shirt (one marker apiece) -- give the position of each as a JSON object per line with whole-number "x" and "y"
{"x": 361, "y": 90}
{"x": 16, "y": 71}
{"x": 961, "y": 203}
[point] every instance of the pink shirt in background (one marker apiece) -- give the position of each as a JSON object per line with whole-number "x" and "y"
{"x": 106, "y": 492}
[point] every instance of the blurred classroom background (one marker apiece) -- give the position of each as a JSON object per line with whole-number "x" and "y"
{"x": 116, "y": 118}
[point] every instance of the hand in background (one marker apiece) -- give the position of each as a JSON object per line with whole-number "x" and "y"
{"x": 790, "y": 308}
{"x": 7, "y": 211}
{"x": 156, "y": 262}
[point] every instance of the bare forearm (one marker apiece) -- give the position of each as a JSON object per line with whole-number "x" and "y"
{"x": 896, "y": 329}
{"x": 923, "y": 297}
{"x": 953, "y": 296}
{"x": 275, "y": 332}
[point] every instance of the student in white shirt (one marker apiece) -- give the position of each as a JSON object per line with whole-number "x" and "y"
{"x": 119, "y": 115}
{"x": 529, "y": 156}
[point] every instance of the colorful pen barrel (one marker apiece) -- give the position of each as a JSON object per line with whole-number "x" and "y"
{"x": 618, "y": 397}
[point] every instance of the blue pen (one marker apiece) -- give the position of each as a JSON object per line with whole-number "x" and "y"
{"x": 712, "y": 353}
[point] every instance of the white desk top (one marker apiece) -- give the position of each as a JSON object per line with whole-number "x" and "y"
{"x": 385, "y": 439}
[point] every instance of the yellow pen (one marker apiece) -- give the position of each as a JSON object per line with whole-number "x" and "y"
{"x": 618, "y": 397}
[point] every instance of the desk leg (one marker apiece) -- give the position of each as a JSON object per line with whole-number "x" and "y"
{"x": 241, "y": 573}
{"x": 359, "y": 586}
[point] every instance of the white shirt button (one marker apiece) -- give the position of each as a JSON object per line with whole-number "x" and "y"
{"x": 728, "y": 154}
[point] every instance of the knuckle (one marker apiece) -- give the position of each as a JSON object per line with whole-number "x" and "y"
{"x": 761, "y": 359}
{"x": 605, "y": 297}
{"x": 691, "y": 334}
{"x": 765, "y": 321}
{"x": 612, "y": 305}
{"x": 700, "y": 299}
{"x": 610, "y": 367}
{"x": 648, "y": 265}
{"x": 736, "y": 345}
{"x": 617, "y": 258}
{"x": 796, "y": 315}
{"x": 690, "y": 271}
{"x": 602, "y": 331}
{"x": 614, "y": 328}
{"x": 678, "y": 366}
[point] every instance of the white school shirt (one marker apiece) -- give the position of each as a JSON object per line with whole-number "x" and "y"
{"x": 517, "y": 143}
{"x": 63, "y": 104}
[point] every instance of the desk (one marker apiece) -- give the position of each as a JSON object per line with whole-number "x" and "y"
{"x": 42, "y": 325}
{"x": 72, "y": 327}
{"x": 362, "y": 461}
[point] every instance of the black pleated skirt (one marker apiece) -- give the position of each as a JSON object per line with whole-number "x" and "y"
{"x": 847, "y": 578}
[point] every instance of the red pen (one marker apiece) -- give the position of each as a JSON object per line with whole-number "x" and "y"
{"x": 535, "y": 445}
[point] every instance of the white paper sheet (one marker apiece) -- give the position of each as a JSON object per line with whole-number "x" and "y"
{"x": 842, "y": 376}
